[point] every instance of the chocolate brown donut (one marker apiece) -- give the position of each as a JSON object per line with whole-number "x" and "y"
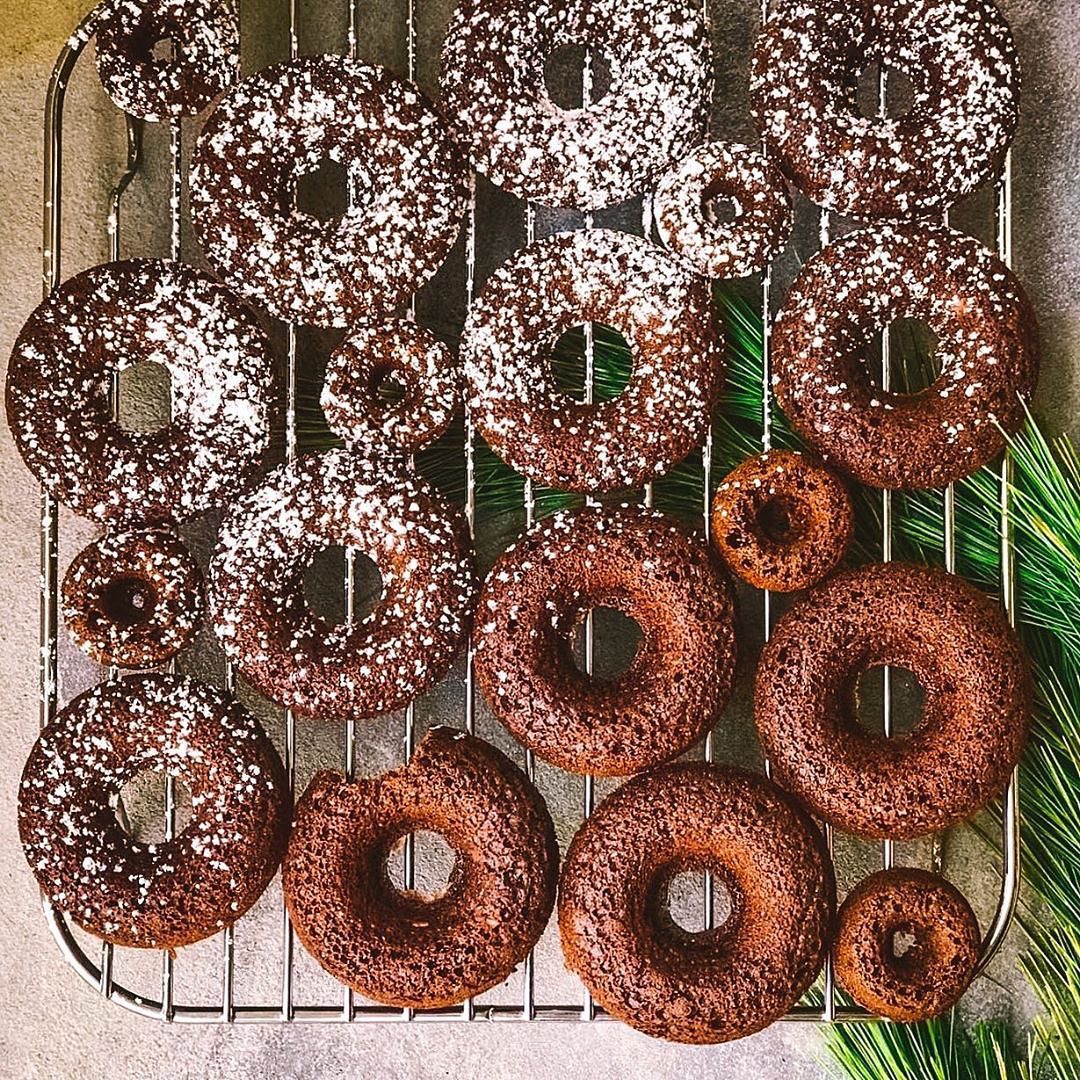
{"x": 938, "y": 965}
{"x": 717, "y": 984}
{"x": 987, "y": 345}
{"x": 781, "y": 521}
{"x": 536, "y": 597}
{"x": 177, "y": 891}
{"x": 407, "y": 948}
{"x": 961, "y": 62}
{"x": 977, "y": 700}
{"x": 132, "y": 599}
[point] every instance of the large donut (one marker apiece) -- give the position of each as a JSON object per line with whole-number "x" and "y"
{"x": 563, "y": 281}
{"x": 174, "y": 892}
{"x": 987, "y": 345}
{"x": 112, "y": 317}
{"x": 411, "y": 949}
{"x": 280, "y": 124}
{"x": 379, "y": 663}
{"x": 657, "y": 108}
{"x": 718, "y": 984}
{"x": 960, "y": 59}
{"x": 640, "y": 563}
{"x": 975, "y": 682}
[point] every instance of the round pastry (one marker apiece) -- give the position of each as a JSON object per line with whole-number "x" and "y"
{"x": 205, "y": 54}
{"x": 686, "y": 217}
{"x": 132, "y": 599}
{"x": 987, "y": 347}
{"x": 361, "y": 669}
{"x": 404, "y": 947}
{"x": 177, "y": 891}
{"x": 937, "y": 966}
{"x": 536, "y": 599}
{"x": 406, "y": 356}
{"x": 960, "y": 60}
{"x": 976, "y": 693}
{"x": 638, "y": 963}
{"x": 283, "y": 123}
{"x": 494, "y": 92}
{"x": 781, "y": 521}
{"x": 564, "y": 281}
{"x": 113, "y": 317}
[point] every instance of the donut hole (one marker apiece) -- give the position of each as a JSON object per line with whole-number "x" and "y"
{"x": 433, "y": 862}
{"x": 901, "y": 942}
{"x": 322, "y": 190}
{"x": 899, "y": 92}
{"x": 140, "y": 806}
{"x": 572, "y": 72}
{"x": 163, "y": 49}
{"x": 129, "y": 600}
{"x": 144, "y": 397}
{"x": 385, "y": 388}
{"x": 326, "y": 580}
{"x": 905, "y": 697}
{"x": 569, "y": 363}
{"x": 616, "y": 638}
{"x": 781, "y": 519}
{"x": 718, "y": 205}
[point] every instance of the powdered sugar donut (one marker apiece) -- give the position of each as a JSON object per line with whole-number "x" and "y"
{"x": 657, "y": 107}
{"x": 961, "y": 62}
{"x": 687, "y": 222}
{"x": 281, "y": 124}
{"x": 566, "y": 280}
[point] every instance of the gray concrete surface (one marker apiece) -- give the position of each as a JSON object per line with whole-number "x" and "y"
{"x": 52, "y": 1024}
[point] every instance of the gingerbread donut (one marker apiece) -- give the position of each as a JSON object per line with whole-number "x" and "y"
{"x": 113, "y": 317}
{"x": 930, "y": 976}
{"x": 290, "y": 654}
{"x": 656, "y": 109}
{"x": 561, "y": 282}
{"x": 132, "y": 599}
{"x": 975, "y": 682}
{"x": 961, "y": 62}
{"x": 781, "y": 521}
{"x": 281, "y": 124}
{"x": 407, "y": 948}
{"x": 174, "y": 892}
{"x": 637, "y": 962}
{"x": 536, "y": 597}
{"x": 686, "y": 218}
{"x": 987, "y": 345}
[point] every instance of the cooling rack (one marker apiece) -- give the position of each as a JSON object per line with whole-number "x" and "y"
{"x": 535, "y": 1002}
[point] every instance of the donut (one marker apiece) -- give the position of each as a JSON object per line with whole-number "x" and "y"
{"x": 291, "y": 655}
{"x": 939, "y": 962}
{"x": 405, "y": 947}
{"x": 177, "y": 891}
{"x": 960, "y": 60}
{"x": 686, "y": 219}
{"x": 132, "y": 599}
{"x": 281, "y": 124}
{"x": 397, "y": 352}
{"x": 564, "y": 281}
{"x": 714, "y": 985}
{"x": 781, "y": 521}
{"x": 976, "y": 700}
{"x": 987, "y": 346}
{"x": 493, "y": 91}
{"x": 536, "y": 598}
{"x": 112, "y": 317}
{"x": 204, "y": 61}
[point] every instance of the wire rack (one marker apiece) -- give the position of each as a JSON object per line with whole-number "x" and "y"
{"x": 534, "y": 1003}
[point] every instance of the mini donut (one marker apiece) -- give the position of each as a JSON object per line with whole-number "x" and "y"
{"x": 566, "y": 280}
{"x": 494, "y": 93}
{"x": 407, "y": 354}
{"x": 408, "y": 948}
{"x": 177, "y": 891}
{"x": 637, "y": 962}
{"x": 115, "y": 316}
{"x": 781, "y": 521}
{"x": 937, "y": 966}
{"x": 291, "y": 655}
{"x": 132, "y": 599}
{"x": 987, "y": 345}
{"x": 961, "y": 62}
{"x": 279, "y": 125}
{"x": 976, "y": 707}
{"x": 205, "y": 37}
{"x": 686, "y": 222}
{"x": 536, "y": 597}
